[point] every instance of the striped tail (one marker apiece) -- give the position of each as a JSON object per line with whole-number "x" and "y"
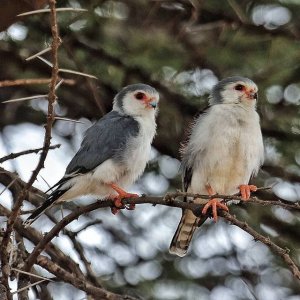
{"x": 184, "y": 233}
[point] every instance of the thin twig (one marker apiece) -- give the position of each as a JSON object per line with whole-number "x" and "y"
{"x": 30, "y": 274}
{"x": 25, "y": 98}
{"x": 69, "y": 120}
{"x": 39, "y": 53}
{"x": 8, "y": 186}
{"x": 283, "y": 253}
{"x": 84, "y": 285}
{"x": 15, "y": 155}
{"x": 29, "y": 286}
{"x": 16, "y": 82}
{"x": 47, "y": 62}
{"x": 77, "y": 73}
{"x": 47, "y": 10}
{"x": 32, "y": 81}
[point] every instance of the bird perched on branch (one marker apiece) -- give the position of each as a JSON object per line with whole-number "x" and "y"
{"x": 224, "y": 150}
{"x": 113, "y": 153}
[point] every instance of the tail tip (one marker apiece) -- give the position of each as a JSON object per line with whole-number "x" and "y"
{"x": 177, "y": 251}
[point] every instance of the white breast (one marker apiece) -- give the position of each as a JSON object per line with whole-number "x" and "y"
{"x": 138, "y": 152}
{"x": 121, "y": 172}
{"x": 227, "y": 148}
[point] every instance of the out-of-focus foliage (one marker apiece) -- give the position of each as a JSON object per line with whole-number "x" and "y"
{"x": 182, "y": 48}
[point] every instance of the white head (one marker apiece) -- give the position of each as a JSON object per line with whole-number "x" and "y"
{"x": 137, "y": 100}
{"x": 234, "y": 90}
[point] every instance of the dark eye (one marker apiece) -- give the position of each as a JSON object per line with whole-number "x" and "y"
{"x": 239, "y": 87}
{"x": 139, "y": 96}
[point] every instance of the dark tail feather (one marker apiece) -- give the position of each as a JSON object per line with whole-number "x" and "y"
{"x": 47, "y": 204}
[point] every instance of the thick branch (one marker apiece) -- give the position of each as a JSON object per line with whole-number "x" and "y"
{"x": 168, "y": 200}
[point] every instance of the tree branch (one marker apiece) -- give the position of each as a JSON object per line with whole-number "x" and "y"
{"x": 59, "y": 272}
{"x": 283, "y": 253}
{"x": 17, "y": 82}
{"x": 15, "y": 155}
{"x": 48, "y": 128}
{"x": 168, "y": 200}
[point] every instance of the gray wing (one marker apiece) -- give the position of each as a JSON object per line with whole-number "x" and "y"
{"x": 106, "y": 139}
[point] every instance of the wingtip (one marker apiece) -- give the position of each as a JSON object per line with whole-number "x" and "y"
{"x": 28, "y": 222}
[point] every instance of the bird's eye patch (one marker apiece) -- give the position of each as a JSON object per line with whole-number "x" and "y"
{"x": 239, "y": 87}
{"x": 139, "y": 96}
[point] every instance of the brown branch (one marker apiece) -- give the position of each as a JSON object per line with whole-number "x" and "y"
{"x": 67, "y": 267}
{"x": 168, "y": 200}
{"x": 90, "y": 274}
{"x": 54, "y": 252}
{"x": 6, "y": 83}
{"x": 283, "y": 253}
{"x": 81, "y": 284}
{"x": 15, "y": 155}
{"x": 47, "y": 138}
{"x": 42, "y": 243}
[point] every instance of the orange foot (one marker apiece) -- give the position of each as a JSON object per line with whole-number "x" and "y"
{"x": 246, "y": 190}
{"x": 118, "y": 199}
{"x": 213, "y": 203}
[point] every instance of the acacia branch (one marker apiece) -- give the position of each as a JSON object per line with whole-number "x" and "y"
{"x": 59, "y": 272}
{"x": 17, "y": 82}
{"x": 47, "y": 138}
{"x": 15, "y": 155}
{"x": 283, "y": 253}
{"x": 168, "y": 200}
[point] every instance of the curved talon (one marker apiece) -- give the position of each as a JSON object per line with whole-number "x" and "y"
{"x": 114, "y": 210}
{"x": 214, "y": 204}
{"x": 131, "y": 206}
{"x": 246, "y": 190}
{"x": 118, "y": 204}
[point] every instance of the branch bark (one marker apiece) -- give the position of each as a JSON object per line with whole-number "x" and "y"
{"x": 48, "y": 129}
{"x": 59, "y": 272}
{"x": 170, "y": 200}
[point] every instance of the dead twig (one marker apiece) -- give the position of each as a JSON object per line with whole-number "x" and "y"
{"x": 15, "y": 155}
{"x": 283, "y": 253}
{"x": 84, "y": 285}
{"x": 31, "y": 81}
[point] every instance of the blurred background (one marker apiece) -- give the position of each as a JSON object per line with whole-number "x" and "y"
{"x": 182, "y": 48}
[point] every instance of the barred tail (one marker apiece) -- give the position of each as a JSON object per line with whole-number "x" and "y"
{"x": 184, "y": 233}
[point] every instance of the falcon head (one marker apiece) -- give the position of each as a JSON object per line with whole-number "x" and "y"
{"x": 234, "y": 90}
{"x": 137, "y": 100}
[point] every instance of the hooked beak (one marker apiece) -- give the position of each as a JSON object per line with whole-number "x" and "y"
{"x": 151, "y": 103}
{"x": 252, "y": 95}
